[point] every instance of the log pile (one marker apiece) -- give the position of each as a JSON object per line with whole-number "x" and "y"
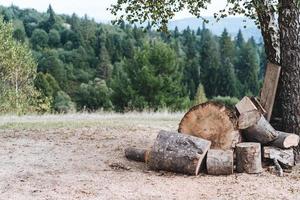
{"x": 214, "y": 139}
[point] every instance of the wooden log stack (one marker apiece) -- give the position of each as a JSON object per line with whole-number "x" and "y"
{"x": 277, "y": 145}
{"x": 213, "y": 137}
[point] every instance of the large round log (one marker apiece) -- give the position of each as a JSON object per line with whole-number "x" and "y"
{"x": 257, "y": 128}
{"x": 286, "y": 140}
{"x": 219, "y": 162}
{"x": 248, "y": 158}
{"x": 178, "y": 153}
{"x": 213, "y": 122}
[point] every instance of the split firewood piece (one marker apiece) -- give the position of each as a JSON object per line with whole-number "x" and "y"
{"x": 258, "y": 105}
{"x": 178, "y": 153}
{"x": 213, "y": 122}
{"x": 248, "y": 119}
{"x": 286, "y": 140}
{"x": 139, "y": 155}
{"x": 245, "y": 105}
{"x": 268, "y": 92}
{"x": 256, "y": 128}
{"x": 219, "y": 162}
{"x": 248, "y": 158}
{"x": 284, "y": 156}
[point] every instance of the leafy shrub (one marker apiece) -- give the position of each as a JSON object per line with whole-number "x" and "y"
{"x": 228, "y": 101}
{"x": 62, "y": 103}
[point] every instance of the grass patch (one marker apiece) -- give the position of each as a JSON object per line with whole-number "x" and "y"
{"x": 80, "y": 120}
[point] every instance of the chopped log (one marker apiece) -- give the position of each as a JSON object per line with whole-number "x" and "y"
{"x": 178, "y": 153}
{"x": 245, "y": 105}
{"x": 247, "y": 119}
{"x": 213, "y": 122}
{"x": 286, "y": 140}
{"x": 258, "y": 105}
{"x": 284, "y": 156}
{"x": 261, "y": 131}
{"x": 248, "y": 158}
{"x": 135, "y": 154}
{"x": 268, "y": 92}
{"x": 219, "y": 162}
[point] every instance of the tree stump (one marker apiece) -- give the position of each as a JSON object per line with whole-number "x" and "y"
{"x": 219, "y": 162}
{"x": 286, "y": 140}
{"x": 139, "y": 155}
{"x": 213, "y": 122}
{"x": 256, "y": 128}
{"x": 178, "y": 153}
{"x": 248, "y": 158}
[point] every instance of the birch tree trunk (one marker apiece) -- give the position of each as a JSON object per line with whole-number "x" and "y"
{"x": 266, "y": 14}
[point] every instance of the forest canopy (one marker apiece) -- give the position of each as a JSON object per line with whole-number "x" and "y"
{"x": 85, "y": 65}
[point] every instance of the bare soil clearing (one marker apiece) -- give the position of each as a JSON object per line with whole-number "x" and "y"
{"x": 82, "y": 157}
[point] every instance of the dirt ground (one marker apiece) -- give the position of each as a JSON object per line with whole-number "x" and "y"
{"x": 67, "y": 157}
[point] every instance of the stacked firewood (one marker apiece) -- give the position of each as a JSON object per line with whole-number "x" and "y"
{"x": 217, "y": 140}
{"x": 277, "y": 145}
{"x": 220, "y": 140}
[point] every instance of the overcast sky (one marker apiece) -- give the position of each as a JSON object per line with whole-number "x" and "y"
{"x": 93, "y": 8}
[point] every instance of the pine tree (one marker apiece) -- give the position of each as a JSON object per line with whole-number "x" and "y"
{"x": 176, "y": 32}
{"x": 238, "y": 65}
{"x": 240, "y": 40}
{"x": 51, "y": 20}
{"x": 192, "y": 65}
{"x": 199, "y": 31}
{"x": 227, "y": 85}
{"x": 104, "y": 66}
{"x": 249, "y": 68}
{"x": 153, "y": 79}
{"x": 262, "y": 63}
{"x": 210, "y": 63}
{"x": 200, "y": 96}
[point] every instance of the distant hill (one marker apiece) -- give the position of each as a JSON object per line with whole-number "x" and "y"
{"x": 232, "y": 24}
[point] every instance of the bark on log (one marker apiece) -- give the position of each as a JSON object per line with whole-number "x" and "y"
{"x": 284, "y": 156}
{"x": 178, "y": 153}
{"x": 261, "y": 131}
{"x": 139, "y": 155}
{"x": 286, "y": 140}
{"x": 219, "y": 162}
{"x": 213, "y": 122}
{"x": 248, "y": 158}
